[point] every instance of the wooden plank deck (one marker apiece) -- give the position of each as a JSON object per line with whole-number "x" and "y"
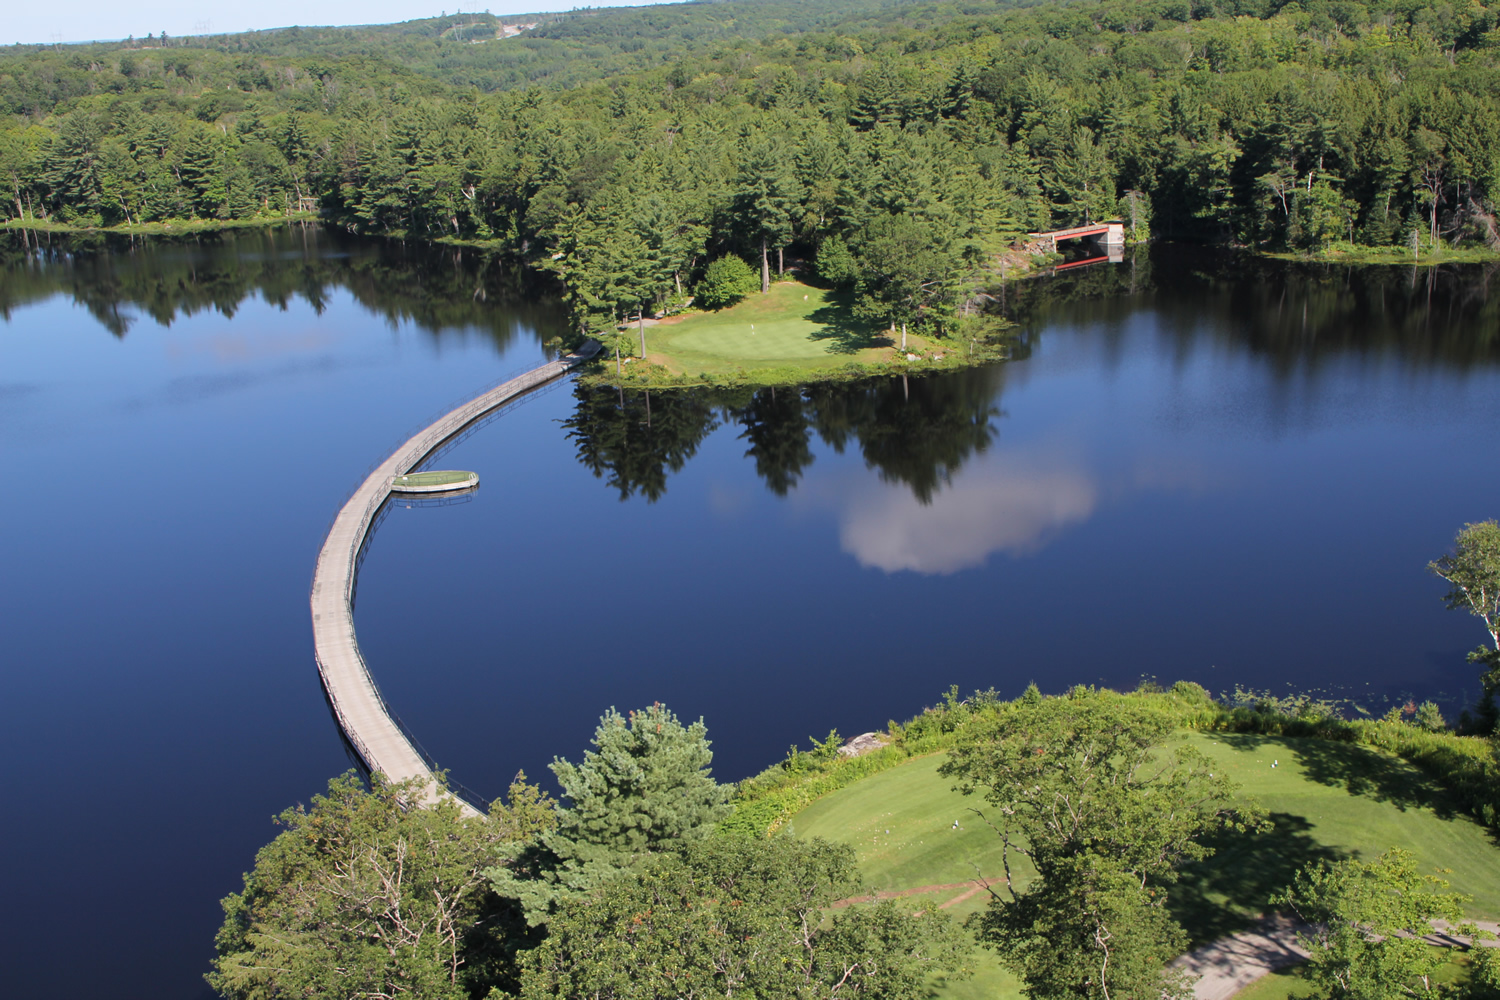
{"x": 351, "y": 690}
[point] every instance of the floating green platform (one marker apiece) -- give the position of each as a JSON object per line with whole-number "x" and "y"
{"x": 440, "y": 481}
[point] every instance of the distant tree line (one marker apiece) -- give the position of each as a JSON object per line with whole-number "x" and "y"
{"x": 898, "y": 147}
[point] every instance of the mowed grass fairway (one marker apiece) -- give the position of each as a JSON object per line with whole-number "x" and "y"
{"x": 1327, "y": 800}
{"x": 1293, "y": 984}
{"x": 791, "y": 325}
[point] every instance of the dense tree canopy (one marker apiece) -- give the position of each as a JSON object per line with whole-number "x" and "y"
{"x": 734, "y": 917}
{"x": 621, "y": 894}
{"x": 361, "y": 895}
{"x": 628, "y": 148}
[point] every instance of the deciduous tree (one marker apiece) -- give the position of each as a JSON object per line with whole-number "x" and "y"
{"x": 1366, "y": 922}
{"x": 1083, "y": 788}
{"x": 1472, "y": 571}
{"x": 362, "y": 895}
{"x": 737, "y": 917}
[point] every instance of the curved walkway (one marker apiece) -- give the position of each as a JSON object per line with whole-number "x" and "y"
{"x": 1223, "y": 968}
{"x": 1219, "y": 969}
{"x": 351, "y": 690}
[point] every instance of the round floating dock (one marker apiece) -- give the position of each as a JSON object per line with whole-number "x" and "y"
{"x": 442, "y": 481}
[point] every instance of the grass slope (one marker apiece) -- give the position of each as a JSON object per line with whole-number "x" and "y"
{"x": 1327, "y": 800}
{"x": 1293, "y": 983}
{"x": 792, "y": 325}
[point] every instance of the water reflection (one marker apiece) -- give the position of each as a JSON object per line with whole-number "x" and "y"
{"x": 916, "y": 432}
{"x": 632, "y": 440}
{"x": 1013, "y": 503}
{"x": 1289, "y": 311}
{"x": 118, "y": 280}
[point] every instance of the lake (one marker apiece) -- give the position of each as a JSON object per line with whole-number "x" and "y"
{"x": 1197, "y": 466}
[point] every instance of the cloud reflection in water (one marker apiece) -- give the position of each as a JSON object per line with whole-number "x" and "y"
{"x": 1008, "y": 504}
{"x": 1012, "y": 503}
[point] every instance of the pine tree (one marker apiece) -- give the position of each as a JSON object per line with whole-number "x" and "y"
{"x": 644, "y": 788}
{"x": 880, "y": 100}
{"x": 203, "y": 173}
{"x": 73, "y": 169}
{"x": 765, "y": 200}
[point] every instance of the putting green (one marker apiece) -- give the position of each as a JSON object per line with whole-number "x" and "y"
{"x": 792, "y": 324}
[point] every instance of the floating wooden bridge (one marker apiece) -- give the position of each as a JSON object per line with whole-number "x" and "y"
{"x": 361, "y": 712}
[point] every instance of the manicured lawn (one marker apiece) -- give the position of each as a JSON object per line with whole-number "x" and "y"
{"x": 437, "y": 477}
{"x": 1331, "y": 800}
{"x": 1327, "y": 800}
{"x": 918, "y": 808}
{"x": 1293, "y": 984}
{"x": 791, "y": 325}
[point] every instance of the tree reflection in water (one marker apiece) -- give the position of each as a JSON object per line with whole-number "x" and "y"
{"x": 917, "y": 431}
{"x": 438, "y": 289}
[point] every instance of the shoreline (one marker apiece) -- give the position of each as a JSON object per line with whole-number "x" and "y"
{"x": 652, "y": 376}
{"x": 171, "y": 227}
{"x": 929, "y": 355}
{"x": 1388, "y": 256}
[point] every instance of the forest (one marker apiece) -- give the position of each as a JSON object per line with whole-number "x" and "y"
{"x": 898, "y": 148}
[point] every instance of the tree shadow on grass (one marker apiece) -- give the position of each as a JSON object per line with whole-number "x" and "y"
{"x": 1361, "y": 771}
{"x": 849, "y": 334}
{"x": 1228, "y": 891}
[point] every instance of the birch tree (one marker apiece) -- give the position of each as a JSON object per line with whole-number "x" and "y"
{"x": 1472, "y": 571}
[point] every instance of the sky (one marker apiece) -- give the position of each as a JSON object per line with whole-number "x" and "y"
{"x": 89, "y": 20}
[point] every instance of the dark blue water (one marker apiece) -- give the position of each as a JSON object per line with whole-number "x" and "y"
{"x": 1203, "y": 468}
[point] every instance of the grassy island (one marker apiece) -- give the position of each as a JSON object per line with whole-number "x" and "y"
{"x": 795, "y": 332}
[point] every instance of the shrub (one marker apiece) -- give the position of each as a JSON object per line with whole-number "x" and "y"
{"x": 725, "y": 282}
{"x": 836, "y": 264}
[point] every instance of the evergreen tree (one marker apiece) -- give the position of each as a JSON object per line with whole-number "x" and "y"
{"x": 764, "y": 201}
{"x": 643, "y": 789}
{"x": 881, "y": 99}
{"x": 74, "y": 170}
{"x": 203, "y": 172}
{"x": 1083, "y": 179}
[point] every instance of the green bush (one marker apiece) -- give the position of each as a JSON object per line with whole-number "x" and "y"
{"x": 836, "y": 264}
{"x": 725, "y": 282}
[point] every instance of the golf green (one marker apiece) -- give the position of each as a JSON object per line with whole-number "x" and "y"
{"x": 792, "y": 324}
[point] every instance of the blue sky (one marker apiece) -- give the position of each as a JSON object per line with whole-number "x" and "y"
{"x": 85, "y": 20}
